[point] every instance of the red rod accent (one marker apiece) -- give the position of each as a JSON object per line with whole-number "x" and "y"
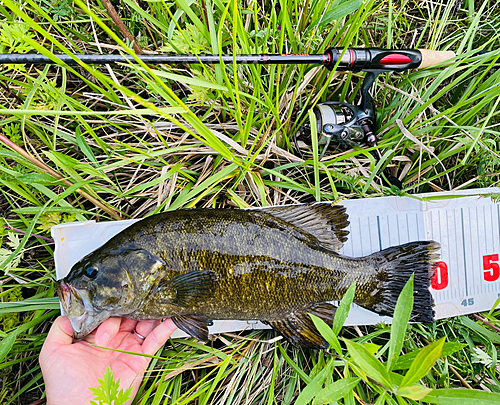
{"x": 395, "y": 59}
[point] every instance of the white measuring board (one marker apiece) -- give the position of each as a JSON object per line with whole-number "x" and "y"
{"x": 467, "y": 227}
{"x": 468, "y": 277}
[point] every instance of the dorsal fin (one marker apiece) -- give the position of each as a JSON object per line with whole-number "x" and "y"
{"x": 325, "y": 221}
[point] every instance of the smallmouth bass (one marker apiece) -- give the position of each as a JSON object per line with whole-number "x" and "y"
{"x": 277, "y": 265}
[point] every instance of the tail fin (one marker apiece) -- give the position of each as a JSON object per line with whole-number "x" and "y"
{"x": 396, "y": 265}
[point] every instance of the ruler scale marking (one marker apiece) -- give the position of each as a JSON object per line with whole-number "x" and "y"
{"x": 370, "y": 233}
{"x": 418, "y": 229}
{"x": 432, "y": 230}
{"x": 485, "y": 224}
{"x": 477, "y": 254}
{"x": 496, "y": 238}
{"x": 448, "y": 235}
{"x": 374, "y": 229}
{"x": 399, "y": 230}
{"x": 350, "y": 240}
{"x": 389, "y": 236}
{"x": 465, "y": 254}
{"x": 361, "y": 233}
{"x": 479, "y": 284}
{"x": 492, "y": 223}
{"x": 463, "y": 274}
{"x": 498, "y": 234}
{"x": 484, "y": 287}
{"x": 387, "y": 242}
{"x": 408, "y": 227}
{"x": 440, "y": 237}
{"x": 452, "y": 234}
{"x": 379, "y": 234}
{"x": 471, "y": 273}
{"x": 443, "y": 238}
{"x": 456, "y": 292}
{"x": 498, "y": 219}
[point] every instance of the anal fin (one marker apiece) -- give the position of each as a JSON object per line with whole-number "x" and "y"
{"x": 299, "y": 329}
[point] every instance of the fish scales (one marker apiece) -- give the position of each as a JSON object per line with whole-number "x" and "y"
{"x": 260, "y": 263}
{"x": 275, "y": 265}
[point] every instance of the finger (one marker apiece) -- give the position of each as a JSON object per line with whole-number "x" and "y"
{"x": 90, "y": 339}
{"x": 60, "y": 334}
{"x": 128, "y": 325}
{"x": 107, "y": 331}
{"x": 158, "y": 337}
{"x": 144, "y": 328}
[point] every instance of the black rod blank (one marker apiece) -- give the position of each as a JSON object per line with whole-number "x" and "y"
{"x": 36, "y": 59}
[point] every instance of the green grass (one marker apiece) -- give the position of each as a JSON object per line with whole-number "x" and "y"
{"x": 133, "y": 140}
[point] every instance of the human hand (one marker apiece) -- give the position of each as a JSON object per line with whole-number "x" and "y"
{"x": 70, "y": 368}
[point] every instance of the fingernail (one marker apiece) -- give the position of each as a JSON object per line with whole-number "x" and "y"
{"x": 103, "y": 339}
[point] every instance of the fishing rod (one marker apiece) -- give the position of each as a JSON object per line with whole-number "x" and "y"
{"x": 337, "y": 123}
{"x": 353, "y": 59}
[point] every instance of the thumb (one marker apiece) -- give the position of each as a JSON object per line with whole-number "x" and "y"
{"x": 60, "y": 334}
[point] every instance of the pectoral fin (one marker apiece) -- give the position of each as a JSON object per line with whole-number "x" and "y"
{"x": 194, "y": 325}
{"x": 299, "y": 329}
{"x": 187, "y": 290}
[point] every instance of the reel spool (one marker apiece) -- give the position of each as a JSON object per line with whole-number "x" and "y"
{"x": 337, "y": 124}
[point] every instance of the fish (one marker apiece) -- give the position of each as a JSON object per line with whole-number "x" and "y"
{"x": 275, "y": 264}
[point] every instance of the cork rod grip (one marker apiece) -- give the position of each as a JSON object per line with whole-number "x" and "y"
{"x": 431, "y": 58}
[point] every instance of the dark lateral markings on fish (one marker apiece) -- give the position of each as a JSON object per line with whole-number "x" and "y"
{"x": 276, "y": 265}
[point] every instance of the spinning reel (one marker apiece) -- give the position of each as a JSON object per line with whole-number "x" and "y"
{"x": 345, "y": 125}
{"x": 342, "y": 124}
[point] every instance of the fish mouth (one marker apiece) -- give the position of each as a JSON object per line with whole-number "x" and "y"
{"x": 64, "y": 292}
{"x": 77, "y": 307}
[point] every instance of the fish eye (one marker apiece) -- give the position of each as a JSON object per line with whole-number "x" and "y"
{"x": 91, "y": 271}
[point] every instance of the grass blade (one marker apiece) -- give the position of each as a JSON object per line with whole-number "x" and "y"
{"x": 423, "y": 363}
{"x": 402, "y": 313}
{"x": 451, "y": 396}
{"x": 343, "y": 310}
{"x": 7, "y": 343}
{"x": 336, "y": 391}
{"x": 369, "y": 363}
{"x": 405, "y": 361}
{"x": 415, "y": 392}
{"x": 327, "y": 333}
{"x": 315, "y": 385}
{"x": 314, "y": 139}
